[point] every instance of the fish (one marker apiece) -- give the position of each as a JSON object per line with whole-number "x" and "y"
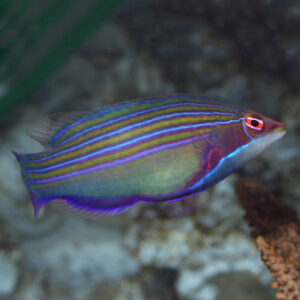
{"x": 157, "y": 149}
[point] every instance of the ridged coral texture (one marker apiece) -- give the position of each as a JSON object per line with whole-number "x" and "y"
{"x": 277, "y": 236}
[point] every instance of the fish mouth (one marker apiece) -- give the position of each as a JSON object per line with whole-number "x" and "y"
{"x": 277, "y": 133}
{"x": 266, "y": 140}
{"x": 280, "y": 129}
{"x": 275, "y": 125}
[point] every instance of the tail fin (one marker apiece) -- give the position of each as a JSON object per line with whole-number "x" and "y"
{"x": 36, "y": 201}
{"x": 17, "y": 155}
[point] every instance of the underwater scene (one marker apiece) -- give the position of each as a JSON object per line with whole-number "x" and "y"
{"x": 149, "y": 150}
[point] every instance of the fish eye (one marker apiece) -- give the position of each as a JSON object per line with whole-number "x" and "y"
{"x": 254, "y": 122}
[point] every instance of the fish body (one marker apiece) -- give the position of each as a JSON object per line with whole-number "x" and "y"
{"x": 158, "y": 149}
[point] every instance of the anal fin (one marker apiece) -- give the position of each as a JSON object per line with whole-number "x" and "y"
{"x": 85, "y": 211}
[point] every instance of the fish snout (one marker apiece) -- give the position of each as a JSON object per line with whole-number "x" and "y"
{"x": 273, "y": 125}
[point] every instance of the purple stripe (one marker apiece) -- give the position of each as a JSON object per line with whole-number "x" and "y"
{"x": 114, "y": 121}
{"x": 119, "y": 131}
{"x": 245, "y": 130}
{"x": 105, "y": 110}
{"x": 116, "y": 149}
{"x": 131, "y": 115}
{"x": 129, "y": 143}
{"x": 113, "y": 163}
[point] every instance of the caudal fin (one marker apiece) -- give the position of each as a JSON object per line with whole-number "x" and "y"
{"x": 17, "y": 155}
{"x": 35, "y": 199}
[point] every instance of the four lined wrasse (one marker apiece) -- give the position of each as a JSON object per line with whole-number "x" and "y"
{"x": 158, "y": 149}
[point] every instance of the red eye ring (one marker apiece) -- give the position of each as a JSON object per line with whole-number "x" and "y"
{"x": 254, "y": 123}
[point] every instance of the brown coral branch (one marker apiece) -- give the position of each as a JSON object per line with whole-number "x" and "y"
{"x": 276, "y": 230}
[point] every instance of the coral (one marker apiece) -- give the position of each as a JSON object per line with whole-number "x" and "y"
{"x": 275, "y": 228}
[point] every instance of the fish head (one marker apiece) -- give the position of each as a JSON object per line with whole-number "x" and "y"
{"x": 228, "y": 147}
{"x": 251, "y": 136}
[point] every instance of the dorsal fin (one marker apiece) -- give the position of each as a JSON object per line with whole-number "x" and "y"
{"x": 45, "y": 130}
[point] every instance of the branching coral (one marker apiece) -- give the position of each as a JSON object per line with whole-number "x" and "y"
{"x": 275, "y": 228}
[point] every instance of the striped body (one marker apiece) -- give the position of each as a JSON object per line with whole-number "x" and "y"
{"x": 146, "y": 150}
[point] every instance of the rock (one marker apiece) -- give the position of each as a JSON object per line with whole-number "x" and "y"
{"x": 81, "y": 255}
{"x": 9, "y": 272}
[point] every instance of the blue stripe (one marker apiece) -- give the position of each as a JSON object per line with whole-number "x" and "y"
{"x": 121, "y": 130}
{"x": 112, "y": 164}
{"x": 128, "y": 143}
{"x": 245, "y": 130}
{"x": 104, "y": 110}
{"x": 123, "y": 118}
{"x": 219, "y": 165}
{"x": 114, "y": 121}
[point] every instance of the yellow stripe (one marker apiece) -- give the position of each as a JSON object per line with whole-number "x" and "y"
{"x": 78, "y": 166}
{"x": 118, "y": 125}
{"x": 130, "y": 134}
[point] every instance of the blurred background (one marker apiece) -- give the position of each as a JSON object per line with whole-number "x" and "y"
{"x": 58, "y": 56}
